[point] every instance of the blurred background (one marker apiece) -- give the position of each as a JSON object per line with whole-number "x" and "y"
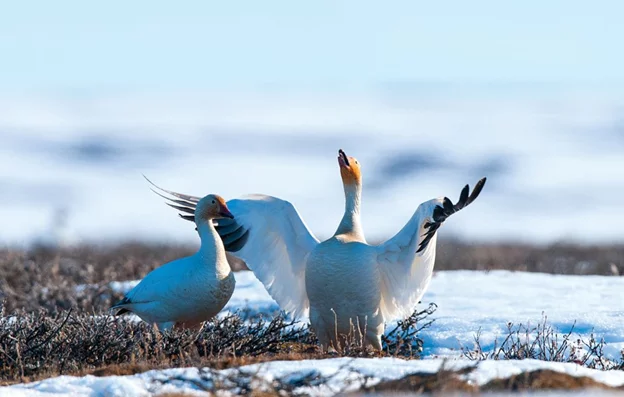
{"x": 257, "y": 97}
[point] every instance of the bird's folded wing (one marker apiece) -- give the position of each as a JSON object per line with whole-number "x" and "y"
{"x": 158, "y": 285}
{"x": 272, "y": 239}
{"x": 406, "y": 260}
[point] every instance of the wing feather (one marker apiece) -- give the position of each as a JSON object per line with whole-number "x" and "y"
{"x": 406, "y": 260}
{"x": 276, "y": 249}
{"x": 272, "y": 239}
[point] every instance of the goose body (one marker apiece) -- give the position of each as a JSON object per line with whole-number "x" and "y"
{"x": 347, "y": 287}
{"x": 190, "y": 290}
{"x": 348, "y": 270}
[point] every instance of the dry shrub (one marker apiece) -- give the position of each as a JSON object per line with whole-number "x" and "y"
{"x": 403, "y": 339}
{"x": 36, "y": 343}
{"x": 543, "y": 342}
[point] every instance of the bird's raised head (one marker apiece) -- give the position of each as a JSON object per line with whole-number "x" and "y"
{"x": 349, "y": 169}
{"x": 210, "y": 207}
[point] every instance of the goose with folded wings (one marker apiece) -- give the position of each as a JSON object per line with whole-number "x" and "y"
{"x": 346, "y": 286}
{"x": 188, "y": 291}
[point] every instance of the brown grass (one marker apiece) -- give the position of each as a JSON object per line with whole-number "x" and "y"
{"x": 544, "y": 379}
{"x": 447, "y": 382}
{"x": 443, "y": 381}
{"x": 43, "y": 278}
{"x": 559, "y": 258}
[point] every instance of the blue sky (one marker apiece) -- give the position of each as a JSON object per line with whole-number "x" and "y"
{"x": 136, "y": 45}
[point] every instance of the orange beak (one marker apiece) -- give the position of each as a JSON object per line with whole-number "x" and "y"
{"x": 225, "y": 213}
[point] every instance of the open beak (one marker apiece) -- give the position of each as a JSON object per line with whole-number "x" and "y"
{"x": 225, "y": 213}
{"x": 343, "y": 160}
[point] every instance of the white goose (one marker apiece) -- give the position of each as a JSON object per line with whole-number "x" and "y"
{"x": 187, "y": 291}
{"x": 346, "y": 286}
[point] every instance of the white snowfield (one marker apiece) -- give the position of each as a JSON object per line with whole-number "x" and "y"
{"x": 467, "y": 301}
{"x": 470, "y": 300}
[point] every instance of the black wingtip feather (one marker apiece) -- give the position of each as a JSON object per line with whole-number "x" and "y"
{"x": 440, "y": 213}
{"x": 477, "y": 190}
{"x": 238, "y": 244}
{"x": 190, "y": 218}
{"x": 449, "y": 208}
{"x": 228, "y": 229}
{"x": 180, "y": 202}
{"x": 182, "y": 209}
{"x": 174, "y": 194}
{"x": 120, "y": 310}
{"x": 463, "y": 197}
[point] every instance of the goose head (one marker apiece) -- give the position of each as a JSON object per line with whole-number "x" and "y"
{"x": 349, "y": 169}
{"x": 211, "y": 207}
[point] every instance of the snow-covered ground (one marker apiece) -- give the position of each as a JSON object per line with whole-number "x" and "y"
{"x": 467, "y": 301}
{"x": 327, "y": 377}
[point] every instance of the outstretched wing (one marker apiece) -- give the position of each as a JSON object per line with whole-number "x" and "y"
{"x": 270, "y": 236}
{"x": 406, "y": 260}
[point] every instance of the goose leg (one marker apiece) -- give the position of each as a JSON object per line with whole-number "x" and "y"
{"x": 326, "y": 339}
{"x": 373, "y": 340}
{"x": 325, "y": 332}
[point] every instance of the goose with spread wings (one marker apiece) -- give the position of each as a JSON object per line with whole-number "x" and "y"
{"x": 346, "y": 286}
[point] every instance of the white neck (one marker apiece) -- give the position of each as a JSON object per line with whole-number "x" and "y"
{"x": 350, "y": 223}
{"x": 212, "y": 251}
